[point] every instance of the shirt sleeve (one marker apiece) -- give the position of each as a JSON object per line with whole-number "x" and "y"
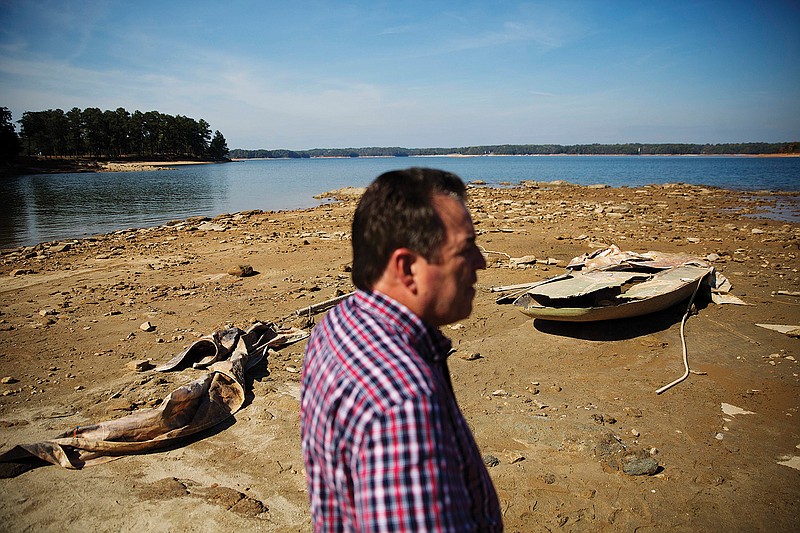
{"x": 398, "y": 474}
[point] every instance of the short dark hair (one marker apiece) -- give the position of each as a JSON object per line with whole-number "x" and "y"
{"x": 397, "y": 211}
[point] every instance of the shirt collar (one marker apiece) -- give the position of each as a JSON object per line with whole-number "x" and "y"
{"x": 438, "y": 346}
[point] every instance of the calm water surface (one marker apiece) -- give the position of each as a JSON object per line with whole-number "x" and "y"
{"x": 41, "y": 208}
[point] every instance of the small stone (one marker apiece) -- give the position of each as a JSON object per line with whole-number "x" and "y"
{"x": 8, "y": 380}
{"x": 20, "y": 272}
{"x": 635, "y": 466}
{"x": 48, "y": 312}
{"x": 490, "y": 460}
{"x": 603, "y": 419}
{"x": 140, "y": 365}
{"x": 147, "y": 326}
{"x": 514, "y": 457}
{"x": 241, "y": 271}
{"x": 635, "y": 433}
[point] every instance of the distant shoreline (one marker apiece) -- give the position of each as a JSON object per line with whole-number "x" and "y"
{"x": 238, "y": 159}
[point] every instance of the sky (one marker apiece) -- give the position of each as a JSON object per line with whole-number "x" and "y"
{"x": 335, "y": 74}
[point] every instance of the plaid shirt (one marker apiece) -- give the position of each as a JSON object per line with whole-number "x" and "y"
{"x": 385, "y": 445}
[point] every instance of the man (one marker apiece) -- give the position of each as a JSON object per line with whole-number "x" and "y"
{"x": 385, "y": 445}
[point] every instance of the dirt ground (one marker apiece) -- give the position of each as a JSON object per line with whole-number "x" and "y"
{"x": 557, "y": 409}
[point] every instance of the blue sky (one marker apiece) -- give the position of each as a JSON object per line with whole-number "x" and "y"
{"x": 314, "y": 74}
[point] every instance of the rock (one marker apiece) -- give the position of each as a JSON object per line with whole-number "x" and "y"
{"x": 604, "y": 419}
{"x": 490, "y": 460}
{"x": 241, "y": 271}
{"x": 147, "y": 326}
{"x": 20, "y": 272}
{"x": 514, "y": 457}
{"x": 249, "y": 507}
{"x": 8, "y": 380}
{"x": 140, "y": 365}
{"x": 634, "y": 466}
{"x": 48, "y": 312}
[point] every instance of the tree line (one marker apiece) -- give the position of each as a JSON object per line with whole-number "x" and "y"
{"x": 535, "y": 149}
{"x": 95, "y": 133}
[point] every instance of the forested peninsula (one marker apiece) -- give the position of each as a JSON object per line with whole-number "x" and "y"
{"x": 76, "y": 140}
{"x": 79, "y": 140}
{"x": 785, "y": 148}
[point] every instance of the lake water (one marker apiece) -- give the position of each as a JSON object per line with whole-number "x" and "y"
{"x": 40, "y": 208}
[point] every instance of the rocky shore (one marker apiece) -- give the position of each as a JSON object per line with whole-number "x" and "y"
{"x": 566, "y": 415}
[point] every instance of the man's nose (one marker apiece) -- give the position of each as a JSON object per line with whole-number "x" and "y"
{"x": 480, "y": 261}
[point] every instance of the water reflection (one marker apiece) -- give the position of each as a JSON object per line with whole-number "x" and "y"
{"x": 50, "y": 207}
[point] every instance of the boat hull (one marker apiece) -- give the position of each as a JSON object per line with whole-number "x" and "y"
{"x": 665, "y": 291}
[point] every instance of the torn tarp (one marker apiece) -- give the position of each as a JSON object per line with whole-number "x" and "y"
{"x": 188, "y": 410}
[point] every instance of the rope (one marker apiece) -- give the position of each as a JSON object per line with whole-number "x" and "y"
{"x": 683, "y": 341}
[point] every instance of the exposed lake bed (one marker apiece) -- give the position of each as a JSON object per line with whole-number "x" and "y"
{"x": 555, "y": 408}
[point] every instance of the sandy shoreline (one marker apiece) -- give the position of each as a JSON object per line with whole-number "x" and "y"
{"x": 555, "y": 405}
{"x": 144, "y": 166}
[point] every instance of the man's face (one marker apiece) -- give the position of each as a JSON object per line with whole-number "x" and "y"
{"x": 446, "y": 285}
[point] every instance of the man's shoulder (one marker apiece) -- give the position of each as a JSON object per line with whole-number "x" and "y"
{"x": 370, "y": 351}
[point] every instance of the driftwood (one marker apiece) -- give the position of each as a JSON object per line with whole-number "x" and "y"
{"x": 322, "y": 306}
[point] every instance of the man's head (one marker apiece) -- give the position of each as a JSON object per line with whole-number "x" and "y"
{"x": 413, "y": 240}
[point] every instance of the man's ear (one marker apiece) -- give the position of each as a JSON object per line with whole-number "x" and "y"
{"x": 402, "y": 265}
